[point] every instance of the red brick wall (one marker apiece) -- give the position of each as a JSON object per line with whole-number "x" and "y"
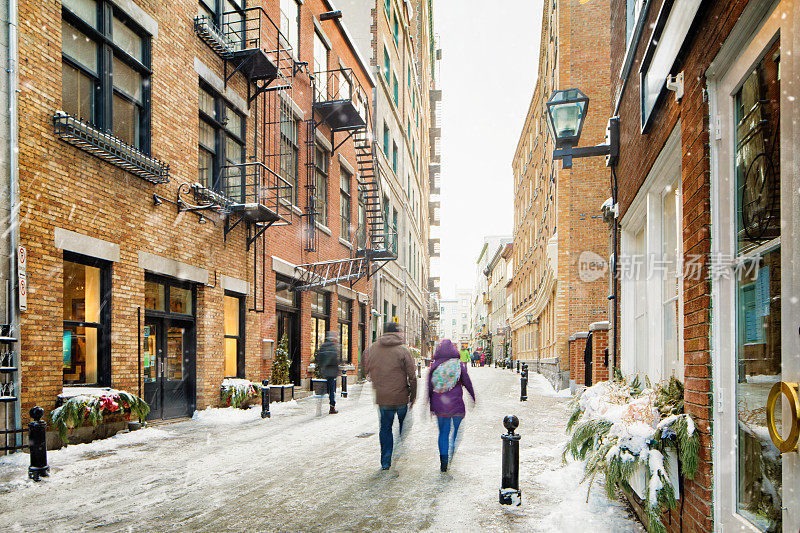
{"x": 599, "y": 345}
{"x": 638, "y": 152}
{"x": 576, "y": 364}
{"x": 61, "y": 186}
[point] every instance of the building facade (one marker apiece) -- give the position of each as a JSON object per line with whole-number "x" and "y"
{"x": 175, "y": 214}
{"x": 707, "y": 186}
{"x": 454, "y": 317}
{"x": 480, "y": 339}
{"x": 398, "y": 39}
{"x": 497, "y": 282}
{"x": 557, "y": 220}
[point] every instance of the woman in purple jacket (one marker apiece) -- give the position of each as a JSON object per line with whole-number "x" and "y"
{"x": 445, "y": 392}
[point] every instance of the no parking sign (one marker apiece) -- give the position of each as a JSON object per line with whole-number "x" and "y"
{"x": 22, "y": 270}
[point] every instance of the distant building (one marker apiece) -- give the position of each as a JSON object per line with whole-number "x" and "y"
{"x": 479, "y": 333}
{"x": 496, "y": 272}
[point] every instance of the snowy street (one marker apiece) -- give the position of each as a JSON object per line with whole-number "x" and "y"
{"x": 301, "y": 471}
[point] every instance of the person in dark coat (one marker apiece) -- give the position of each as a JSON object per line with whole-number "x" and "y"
{"x": 446, "y": 380}
{"x": 328, "y": 364}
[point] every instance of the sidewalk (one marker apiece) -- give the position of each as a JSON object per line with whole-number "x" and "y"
{"x": 229, "y": 470}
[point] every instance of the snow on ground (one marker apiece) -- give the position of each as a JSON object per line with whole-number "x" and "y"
{"x": 302, "y": 469}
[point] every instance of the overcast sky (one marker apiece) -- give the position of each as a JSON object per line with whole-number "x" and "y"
{"x": 489, "y": 64}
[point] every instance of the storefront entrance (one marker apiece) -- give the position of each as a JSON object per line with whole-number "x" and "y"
{"x": 754, "y": 213}
{"x": 287, "y": 318}
{"x": 169, "y": 349}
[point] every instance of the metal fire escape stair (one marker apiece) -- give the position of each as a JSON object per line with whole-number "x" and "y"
{"x": 379, "y": 246}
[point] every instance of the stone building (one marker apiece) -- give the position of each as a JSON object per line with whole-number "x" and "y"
{"x": 185, "y": 177}
{"x": 397, "y": 39}
{"x": 497, "y": 293}
{"x": 479, "y": 304}
{"x": 557, "y": 219}
{"x": 707, "y": 185}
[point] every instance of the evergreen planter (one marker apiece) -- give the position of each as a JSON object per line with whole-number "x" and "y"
{"x": 319, "y": 387}
{"x": 281, "y": 393}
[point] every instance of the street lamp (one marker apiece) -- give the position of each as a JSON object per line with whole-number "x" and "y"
{"x": 566, "y": 113}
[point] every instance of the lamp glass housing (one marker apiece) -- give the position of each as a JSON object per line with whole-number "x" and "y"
{"x": 566, "y": 113}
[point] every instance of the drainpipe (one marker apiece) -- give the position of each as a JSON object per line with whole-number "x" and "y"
{"x": 14, "y": 210}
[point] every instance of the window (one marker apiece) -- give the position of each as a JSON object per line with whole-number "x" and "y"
{"x": 290, "y": 150}
{"x": 86, "y": 295}
{"x": 234, "y": 336}
{"x": 344, "y": 202}
{"x": 387, "y": 5}
{"x": 394, "y": 157}
{"x": 395, "y": 28}
{"x": 394, "y": 230}
{"x": 319, "y": 319}
{"x": 395, "y": 89}
{"x": 345, "y": 326}
{"x": 321, "y": 185}
{"x": 290, "y": 24}
{"x": 386, "y": 139}
{"x": 361, "y": 238}
{"x": 320, "y": 68}
{"x": 112, "y": 94}
{"x": 221, "y": 145}
{"x": 387, "y": 65}
{"x": 408, "y": 82}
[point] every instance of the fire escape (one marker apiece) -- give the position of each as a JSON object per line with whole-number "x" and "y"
{"x": 341, "y": 103}
{"x": 251, "y": 194}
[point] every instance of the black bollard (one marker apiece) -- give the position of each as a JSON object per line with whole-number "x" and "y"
{"x": 419, "y": 369}
{"x": 37, "y": 442}
{"x": 517, "y": 367}
{"x": 265, "y": 399}
{"x": 523, "y": 397}
{"x": 344, "y": 383}
{"x": 509, "y": 483}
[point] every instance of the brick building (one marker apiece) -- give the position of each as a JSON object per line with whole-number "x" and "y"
{"x": 185, "y": 176}
{"x": 707, "y": 185}
{"x": 557, "y": 220}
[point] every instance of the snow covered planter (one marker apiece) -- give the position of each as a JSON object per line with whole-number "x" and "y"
{"x": 638, "y": 438}
{"x": 91, "y": 406}
{"x": 239, "y": 393}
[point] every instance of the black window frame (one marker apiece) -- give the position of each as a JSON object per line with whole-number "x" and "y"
{"x": 168, "y": 283}
{"x": 219, "y": 123}
{"x": 345, "y": 202}
{"x": 347, "y": 320}
{"x": 289, "y": 149}
{"x": 324, "y": 317}
{"x": 217, "y": 12}
{"x": 104, "y": 326}
{"x": 240, "y": 338}
{"x": 321, "y": 173}
{"x": 104, "y": 91}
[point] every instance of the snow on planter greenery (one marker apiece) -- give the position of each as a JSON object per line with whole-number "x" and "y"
{"x": 618, "y": 428}
{"x": 91, "y": 407}
{"x": 237, "y": 392}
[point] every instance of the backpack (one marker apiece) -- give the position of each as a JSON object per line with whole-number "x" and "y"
{"x": 446, "y": 375}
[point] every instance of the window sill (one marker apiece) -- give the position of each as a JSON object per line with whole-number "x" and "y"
{"x": 323, "y": 228}
{"x": 345, "y": 243}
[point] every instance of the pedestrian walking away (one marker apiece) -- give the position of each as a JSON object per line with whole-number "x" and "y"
{"x": 475, "y": 357}
{"x": 446, "y": 381}
{"x": 327, "y": 360}
{"x": 391, "y": 368}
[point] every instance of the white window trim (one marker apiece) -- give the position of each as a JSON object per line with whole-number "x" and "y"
{"x": 645, "y": 212}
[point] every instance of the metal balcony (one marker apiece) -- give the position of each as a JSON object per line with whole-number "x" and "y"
{"x": 214, "y": 37}
{"x": 340, "y": 100}
{"x": 433, "y": 284}
{"x": 109, "y": 148}
{"x": 433, "y": 211}
{"x": 434, "y": 175}
{"x": 256, "y": 196}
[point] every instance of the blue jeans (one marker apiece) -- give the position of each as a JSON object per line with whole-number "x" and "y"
{"x": 387, "y": 413}
{"x": 447, "y": 441}
{"x": 332, "y": 390}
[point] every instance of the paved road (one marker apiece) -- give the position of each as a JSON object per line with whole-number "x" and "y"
{"x": 302, "y": 471}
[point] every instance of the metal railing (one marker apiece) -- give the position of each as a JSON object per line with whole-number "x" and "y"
{"x": 340, "y": 85}
{"x": 106, "y": 146}
{"x": 255, "y": 183}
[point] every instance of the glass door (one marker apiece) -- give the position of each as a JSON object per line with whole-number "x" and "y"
{"x": 755, "y": 286}
{"x": 152, "y": 353}
{"x": 176, "y": 369}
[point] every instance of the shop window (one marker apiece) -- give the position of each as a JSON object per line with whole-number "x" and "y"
{"x": 345, "y": 327}
{"x": 319, "y": 319}
{"x": 115, "y": 97}
{"x": 86, "y": 294}
{"x": 234, "y": 336}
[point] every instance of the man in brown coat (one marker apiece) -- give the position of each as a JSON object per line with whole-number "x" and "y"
{"x": 394, "y": 380}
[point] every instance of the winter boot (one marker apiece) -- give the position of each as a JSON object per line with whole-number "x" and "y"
{"x": 333, "y": 411}
{"x": 443, "y": 459}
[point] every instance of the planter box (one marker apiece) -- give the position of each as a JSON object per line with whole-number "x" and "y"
{"x": 281, "y": 393}
{"x": 112, "y": 424}
{"x": 319, "y": 387}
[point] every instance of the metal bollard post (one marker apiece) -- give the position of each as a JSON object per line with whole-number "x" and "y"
{"x": 523, "y": 397}
{"x": 344, "y": 383}
{"x": 419, "y": 369}
{"x": 37, "y": 442}
{"x": 517, "y": 367}
{"x": 509, "y": 483}
{"x": 265, "y": 399}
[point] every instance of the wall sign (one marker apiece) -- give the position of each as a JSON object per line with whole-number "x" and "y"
{"x": 22, "y": 271}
